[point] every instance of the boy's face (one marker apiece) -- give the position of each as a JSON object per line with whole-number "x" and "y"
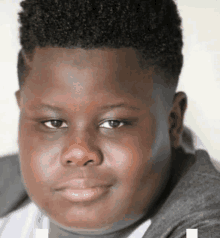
{"x": 104, "y": 130}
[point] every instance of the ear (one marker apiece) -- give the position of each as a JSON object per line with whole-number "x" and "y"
{"x": 17, "y": 96}
{"x": 176, "y": 118}
{"x": 27, "y": 61}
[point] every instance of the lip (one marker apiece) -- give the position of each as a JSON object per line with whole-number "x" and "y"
{"x": 81, "y": 190}
{"x": 83, "y": 195}
{"x": 82, "y": 184}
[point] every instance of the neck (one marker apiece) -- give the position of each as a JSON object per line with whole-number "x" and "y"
{"x": 58, "y": 232}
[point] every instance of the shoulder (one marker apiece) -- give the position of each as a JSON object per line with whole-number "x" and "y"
{"x": 194, "y": 201}
{"x": 24, "y": 221}
{"x": 9, "y": 163}
{"x": 12, "y": 191}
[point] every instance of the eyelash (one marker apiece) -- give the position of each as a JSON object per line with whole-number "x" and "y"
{"x": 125, "y": 123}
{"x": 50, "y": 121}
{"x": 108, "y": 121}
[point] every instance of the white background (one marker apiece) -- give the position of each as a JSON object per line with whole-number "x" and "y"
{"x": 200, "y": 78}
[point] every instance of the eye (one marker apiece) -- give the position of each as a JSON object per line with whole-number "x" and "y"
{"x": 113, "y": 124}
{"x": 55, "y": 124}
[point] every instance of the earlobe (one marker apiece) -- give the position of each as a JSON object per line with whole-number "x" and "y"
{"x": 27, "y": 61}
{"x": 176, "y": 118}
{"x": 17, "y": 96}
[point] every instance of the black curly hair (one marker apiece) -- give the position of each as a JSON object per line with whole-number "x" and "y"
{"x": 151, "y": 27}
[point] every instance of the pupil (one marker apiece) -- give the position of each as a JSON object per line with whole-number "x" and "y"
{"x": 114, "y": 123}
{"x": 56, "y": 123}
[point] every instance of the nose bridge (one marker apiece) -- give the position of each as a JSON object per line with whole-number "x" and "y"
{"x": 79, "y": 148}
{"x": 81, "y": 139}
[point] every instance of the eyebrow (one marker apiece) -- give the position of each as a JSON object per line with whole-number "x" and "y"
{"x": 124, "y": 105}
{"x": 45, "y": 107}
{"x": 106, "y": 107}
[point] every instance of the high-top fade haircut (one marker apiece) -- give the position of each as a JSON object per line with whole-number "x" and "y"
{"x": 151, "y": 27}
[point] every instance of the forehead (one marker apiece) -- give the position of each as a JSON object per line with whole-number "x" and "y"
{"x": 99, "y": 70}
{"x": 123, "y": 57}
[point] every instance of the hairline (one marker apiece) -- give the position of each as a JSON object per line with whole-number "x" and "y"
{"x": 158, "y": 86}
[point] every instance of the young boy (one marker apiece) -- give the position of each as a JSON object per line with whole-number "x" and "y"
{"x": 101, "y": 127}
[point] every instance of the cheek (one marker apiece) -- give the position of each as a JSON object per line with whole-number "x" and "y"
{"x": 129, "y": 158}
{"x": 34, "y": 143}
{"x": 38, "y": 157}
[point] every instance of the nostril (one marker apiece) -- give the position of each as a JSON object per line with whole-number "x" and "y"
{"x": 89, "y": 162}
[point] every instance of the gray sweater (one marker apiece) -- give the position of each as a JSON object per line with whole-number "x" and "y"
{"x": 191, "y": 199}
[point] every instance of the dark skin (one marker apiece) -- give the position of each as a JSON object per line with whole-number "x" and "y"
{"x": 119, "y": 144}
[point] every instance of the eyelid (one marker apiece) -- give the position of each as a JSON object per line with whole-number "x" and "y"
{"x": 108, "y": 122}
{"x": 52, "y": 127}
{"x": 125, "y": 122}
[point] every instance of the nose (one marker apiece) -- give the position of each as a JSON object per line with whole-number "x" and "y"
{"x": 80, "y": 150}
